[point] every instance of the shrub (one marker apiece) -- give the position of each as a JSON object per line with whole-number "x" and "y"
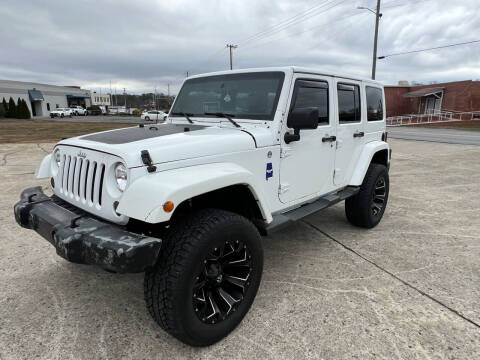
{"x": 94, "y": 110}
{"x": 3, "y": 112}
{"x": 137, "y": 112}
{"x": 12, "y": 109}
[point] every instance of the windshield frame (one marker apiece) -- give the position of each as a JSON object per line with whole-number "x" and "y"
{"x": 241, "y": 75}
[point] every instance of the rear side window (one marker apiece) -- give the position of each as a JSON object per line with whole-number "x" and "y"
{"x": 312, "y": 94}
{"x": 348, "y": 103}
{"x": 374, "y": 104}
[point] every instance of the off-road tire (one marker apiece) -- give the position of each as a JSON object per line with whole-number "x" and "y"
{"x": 358, "y": 208}
{"x": 168, "y": 287}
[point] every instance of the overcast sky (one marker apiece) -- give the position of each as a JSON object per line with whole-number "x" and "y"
{"x": 146, "y": 43}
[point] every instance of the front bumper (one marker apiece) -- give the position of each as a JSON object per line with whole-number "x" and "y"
{"x": 81, "y": 238}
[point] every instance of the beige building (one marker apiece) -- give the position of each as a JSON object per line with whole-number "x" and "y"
{"x": 100, "y": 99}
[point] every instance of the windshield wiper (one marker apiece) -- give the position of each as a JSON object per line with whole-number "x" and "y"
{"x": 185, "y": 115}
{"x": 223, "y": 115}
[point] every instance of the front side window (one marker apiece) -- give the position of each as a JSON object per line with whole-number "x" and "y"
{"x": 348, "y": 103}
{"x": 310, "y": 94}
{"x": 374, "y": 104}
{"x": 245, "y": 95}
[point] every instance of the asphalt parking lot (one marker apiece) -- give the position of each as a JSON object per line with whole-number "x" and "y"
{"x": 408, "y": 289}
{"x": 100, "y": 118}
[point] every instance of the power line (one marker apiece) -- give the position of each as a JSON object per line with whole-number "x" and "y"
{"x": 302, "y": 32}
{"x": 280, "y": 27}
{"x": 283, "y": 22}
{"x": 433, "y": 48}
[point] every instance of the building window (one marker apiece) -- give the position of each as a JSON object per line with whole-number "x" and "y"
{"x": 348, "y": 103}
{"x": 312, "y": 94}
{"x": 374, "y": 104}
{"x": 48, "y": 106}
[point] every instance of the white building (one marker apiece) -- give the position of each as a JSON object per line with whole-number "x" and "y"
{"x": 42, "y": 98}
{"x": 100, "y": 99}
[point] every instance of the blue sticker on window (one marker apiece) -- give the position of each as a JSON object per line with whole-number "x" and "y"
{"x": 269, "y": 171}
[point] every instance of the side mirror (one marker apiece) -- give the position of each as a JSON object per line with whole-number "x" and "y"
{"x": 301, "y": 119}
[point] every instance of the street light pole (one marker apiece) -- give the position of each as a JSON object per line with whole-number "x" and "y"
{"x": 375, "y": 42}
{"x": 378, "y": 15}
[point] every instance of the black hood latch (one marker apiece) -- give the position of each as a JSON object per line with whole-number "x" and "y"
{"x": 147, "y": 160}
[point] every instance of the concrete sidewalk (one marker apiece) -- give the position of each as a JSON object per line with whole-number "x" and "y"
{"x": 408, "y": 289}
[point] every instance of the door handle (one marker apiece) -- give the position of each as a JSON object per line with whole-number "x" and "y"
{"x": 329, "y": 138}
{"x": 359, "y": 134}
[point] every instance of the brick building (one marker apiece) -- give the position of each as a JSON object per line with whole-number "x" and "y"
{"x": 458, "y": 96}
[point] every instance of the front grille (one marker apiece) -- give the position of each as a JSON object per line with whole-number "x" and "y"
{"x": 81, "y": 179}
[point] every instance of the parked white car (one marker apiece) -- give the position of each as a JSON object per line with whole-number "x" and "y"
{"x": 61, "y": 112}
{"x": 243, "y": 153}
{"x": 78, "y": 110}
{"x": 154, "y": 115}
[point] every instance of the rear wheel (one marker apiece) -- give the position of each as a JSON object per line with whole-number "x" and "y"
{"x": 207, "y": 276}
{"x": 366, "y": 208}
{"x": 147, "y": 118}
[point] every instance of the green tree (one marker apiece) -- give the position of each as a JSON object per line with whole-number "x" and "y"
{"x": 19, "y": 114}
{"x": 22, "y": 110}
{"x": 2, "y": 111}
{"x": 12, "y": 109}
{"x": 5, "y": 106}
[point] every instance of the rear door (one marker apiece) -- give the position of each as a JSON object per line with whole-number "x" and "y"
{"x": 306, "y": 166}
{"x": 350, "y": 119}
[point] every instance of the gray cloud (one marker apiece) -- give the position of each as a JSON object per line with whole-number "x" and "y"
{"x": 148, "y": 43}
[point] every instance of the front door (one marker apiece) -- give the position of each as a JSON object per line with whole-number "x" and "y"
{"x": 350, "y": 129}
{"x": 306, "y": 165}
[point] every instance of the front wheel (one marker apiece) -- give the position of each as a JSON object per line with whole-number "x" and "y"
{"x": 366, "y": 208}
{"x": 207, "y": 276}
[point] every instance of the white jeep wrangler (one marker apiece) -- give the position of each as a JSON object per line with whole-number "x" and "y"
{"x": 242, "y": 153}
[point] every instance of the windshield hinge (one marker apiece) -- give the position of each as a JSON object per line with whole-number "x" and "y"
{"x": 147, "y": 160}
{"x": 285, "y": 152}
{"x": 283, "y": 188}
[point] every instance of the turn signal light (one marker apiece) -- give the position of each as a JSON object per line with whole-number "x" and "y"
{"x": 168, "y": 206}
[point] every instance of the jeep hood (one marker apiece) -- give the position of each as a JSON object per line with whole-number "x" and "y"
{"x": 168, "y": 142}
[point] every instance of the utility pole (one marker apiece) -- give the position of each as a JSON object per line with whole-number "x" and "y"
{"x": 377, "y": 20}
{"x": 231, "y": 46}
{"x": 168, "y": 89}
{"x": 187, "y": 73}
{"x": 125, "y": 96}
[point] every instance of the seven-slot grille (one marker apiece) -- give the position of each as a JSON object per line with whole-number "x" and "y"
{"x": 81, "y": 179}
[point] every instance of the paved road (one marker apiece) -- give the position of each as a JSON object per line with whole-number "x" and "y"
{"x": 449, "y": 136}
{"x": 408, "y": 289}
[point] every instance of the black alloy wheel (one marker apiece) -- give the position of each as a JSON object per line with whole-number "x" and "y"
{"x": 378, "y": 196}
{"x": 207, "y": 276}
{"x": 366, "y": 208}
{"x": 221, "y": 284}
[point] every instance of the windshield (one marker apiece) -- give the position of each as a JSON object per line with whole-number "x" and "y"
{"x": 247, "y": 95}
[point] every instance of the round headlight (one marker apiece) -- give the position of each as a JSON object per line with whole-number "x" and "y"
{"x": 121, "y": 176}
{"x": 57, "y": 157}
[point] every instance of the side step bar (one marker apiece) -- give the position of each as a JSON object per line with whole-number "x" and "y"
{"x": 282, "y": 220}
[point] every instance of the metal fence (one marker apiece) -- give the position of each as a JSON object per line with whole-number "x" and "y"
{"x": 433, "y": 116}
